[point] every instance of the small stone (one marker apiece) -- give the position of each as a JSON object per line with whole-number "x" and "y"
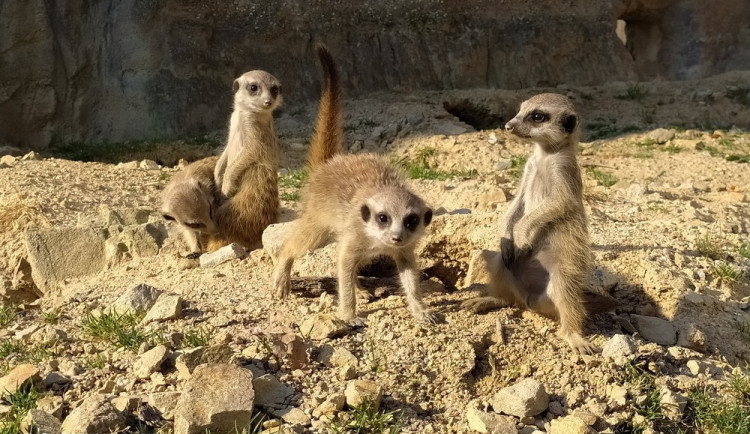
{"x": 273, "y": 237}
{"x": 51, "y": 404}
{"x": 338, "y": 356}
{"x": 167, "y": 307}
{"x": 332, "y": 405}
{"x": 485, "y": 422}
{"x": 40, "y": 422}
{"x": 218, "y": 397}
{"x": 478, "y": 272}
{"x": 655, "y": 329}
{"x": 503, "y": 164}
{"x": 348, "y": 372}
{"x": 492, "y": 139}
{"x": 126, "y": 404}
{"x": 569, "y": 425}
{"x": 672, "y": 403}
{"x": 697, "y": 367}
{"x": 293, "y": 415}
{"x": 165, "y": 402}
{"x": 150, "y": 362}
{"x": 450, "y": 129}
{"x": 224, "y": 254}
{"x": 358, "y": 392}
{"x": 55, "y": 378}
{"x": 17, "y": 377}
{"x": 188, "y": 361}
{"x": 322, "y": 326}
{"x": 270, "y": 391}
{"x": 130, "y": 165}
{"x": 141, "y": 297}
{"x": 285, "y": 344}
{"x": 555, "y": 408}
{"x": 619, "y": 346}
{"x": 661, "y": 135}
{"x": 93, "y": 416}
{"x": 692, "y": 337}
{"x": 8, "y": 160}
{"x": 25, "y": 334}
{"x": 695, "y": 298}
{"x": 148, "y": 165}
{"x": 31, "y": 156}
{"x": 618, "y": 397}
{"x": 525, "y": 398}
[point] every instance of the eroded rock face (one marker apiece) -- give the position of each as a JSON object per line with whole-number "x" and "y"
{"x": 62, "y": 80}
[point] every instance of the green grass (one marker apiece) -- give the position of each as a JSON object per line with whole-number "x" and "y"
{"x": 421, "y": 168}
{"x": 601, "y": 128}
{"x": 96, "y": 361}
{"x": 744, "y": 250}
{"x": 196, "y": 337}
{"x": 51, "y": 316}
{"x": 738, "y": 158}
{"x": 709, "y": 247}
{"x": 120, "y": 330}
{"x": 365, "y": 420}
{"x": 635, "y": 92}
{"x": 34, "y": 353}
{"x": 731, "y": 415}
{"x": 671, "y": 148}
{"x": 7, "y": 314}
{"x": 293, "y": 179}
{"x": 605, "y": 179}
{"x": 744, "y": 328}
{"x": 115, "y": 152}
{"x": 290, "y": 197}
{"x": 9, "y": 347}
{"x": 23, "y": 400}
{"x": 727, "y": 273}
{"x": 517, "y": 164}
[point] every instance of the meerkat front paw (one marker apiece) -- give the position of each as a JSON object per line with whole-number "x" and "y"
{"x": 580, "y": 345}
{"x": 283, "y": 285}
{"x": 428, "y": 317}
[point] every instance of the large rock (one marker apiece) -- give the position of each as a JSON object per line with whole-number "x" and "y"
{"x": 150, "y": 361}
{"x": 167, "y": 306}
{"x": 93, "y": 416}
{"x": 655, "y": 329}
{"x": 490, "y": 423}
{"x": 60, "y": 253}
{"x": 39, "y": 422}
{"x": 218, "y": 397}
{"x": 55, "y": 87}
{"x": 359, "y": 392}
{"x": 143, "y": 240}
{"x": 322, "y": 326}
{"x": 140, "y": 297}
{"x": 17, "y": 377}
{"x": 270, "y": 391}
{"x": 525, "y": 398}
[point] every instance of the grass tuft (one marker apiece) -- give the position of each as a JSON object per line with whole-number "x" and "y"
{"x": 517, "y": 164}
{"x": 118, "y": 329}
{"x": 293, "y": 179}
{"x": 602, "y": 178}
{"x": 744, "y": 250}
{"x": 635, "y": 92}
{"x": 420, "y": 168}
{"x": 20, "y": 402}
{"x": 7, "y": 314}
{"x": 727, "y": 273}
{"x": 364, "y": 419}
{"x": 712, "y": 412}
{"x": 51, "y": 316}
{"x": 196, "y": 337}
{"x": 709, "y": 247}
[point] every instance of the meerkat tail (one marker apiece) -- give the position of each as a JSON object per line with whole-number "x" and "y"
{"x": 329, "y": 131}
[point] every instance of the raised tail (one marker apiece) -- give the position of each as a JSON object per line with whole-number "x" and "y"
{"x": 329, "y": 130}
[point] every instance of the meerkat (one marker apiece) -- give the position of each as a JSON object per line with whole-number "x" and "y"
{"x": 544, "y": 251}
{"x": 190, "y": 199}
{"x": 360, "y": 201}
{"x": 247, "y": 171}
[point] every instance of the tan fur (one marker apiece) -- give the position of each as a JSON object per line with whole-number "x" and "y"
{"x": 247, "y": 171}
{"x": 545, "y": 254}
{"x": 190, "y": 199}
{"x": 326, "y": 140}
{"x": 345, "y": 198}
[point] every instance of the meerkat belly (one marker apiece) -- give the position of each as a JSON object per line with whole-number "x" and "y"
{"x": 532, "y": 277}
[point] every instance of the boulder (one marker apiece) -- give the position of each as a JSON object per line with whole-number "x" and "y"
{"x": 93, "y": 416}
{"x": 39, "y": 422}
{"x": 525, "y": 398}
{"x": 656, "y": 330}
{"x": 270, "y": 391}
{"x": 491, "y": 423}
{"x": 18, "y": 376}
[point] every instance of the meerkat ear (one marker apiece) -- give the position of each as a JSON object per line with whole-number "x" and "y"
{"x": 236, "y": 85}
{"x": 569, "y": 123}
{"x": 427, "y": 217}
{"x": 365, "y": 212}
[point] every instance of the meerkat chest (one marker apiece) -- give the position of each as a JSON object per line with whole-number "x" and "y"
{"x": 541, "y": 182}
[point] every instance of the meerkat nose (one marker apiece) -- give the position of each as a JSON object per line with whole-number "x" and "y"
{"x": 509, "y": 127}
{"x": 267, "y": 103}
{"x": 396, "y": 239}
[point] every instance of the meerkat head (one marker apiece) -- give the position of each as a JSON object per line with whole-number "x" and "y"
{"x": 395, "y": 217}
{"x": 257, "y": 91}
{"x": 548, "y": 119}
{"x": 191, "y": 204}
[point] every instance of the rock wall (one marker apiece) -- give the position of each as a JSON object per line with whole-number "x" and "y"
{"x": 112, "y": 71}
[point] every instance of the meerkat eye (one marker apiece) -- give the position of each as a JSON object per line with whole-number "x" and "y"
{"x": 253, "y": 88}
{"x": 411, "y": 221}
{"x": 275, "y": 90}
{"x": 168, "y": 217}
{"x": 194, "y": 225}
{"x": 539, "y": 117}
{"x": 382, "y": 218}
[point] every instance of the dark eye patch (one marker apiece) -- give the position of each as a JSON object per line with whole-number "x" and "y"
{"x": 538, "y": 116}
{"x": 168, "y": 217}
{"x": 275, "y": 90}
{"x": 411, "y": 222}
{"x": 194, "y": 225}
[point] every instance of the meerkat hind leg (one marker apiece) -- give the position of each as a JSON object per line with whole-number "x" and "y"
{"x": 570, "y": 312}
{"x": 304, "y": 236}
{"x": 499, "y": 292}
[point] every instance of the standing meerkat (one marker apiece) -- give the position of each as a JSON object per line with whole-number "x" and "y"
{"x": 247, "y": 171}
{"x": 190, "y": 199}
{"x": 360, "y": 201}
{"x": 545, "y": 254}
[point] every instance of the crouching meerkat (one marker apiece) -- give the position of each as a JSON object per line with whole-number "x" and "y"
{"x": 190, "y": 200}
{"x": 545, "y": 254}
{"x": 361, "y": 202}
{"x": 247, "y": 171}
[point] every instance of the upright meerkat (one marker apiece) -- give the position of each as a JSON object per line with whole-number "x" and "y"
{"x": 359, "y": 200}
{"x": 247, "y": 171}
{"x": 545, "y": 254}
{"x": 190, "y": 199}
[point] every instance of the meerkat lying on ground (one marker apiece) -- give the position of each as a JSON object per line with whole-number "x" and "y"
{"x": 247, "y": 171}
{"x": 359, "y": 200}
{"x": 545, "y": 254}
{"x": 190, "y": 199}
